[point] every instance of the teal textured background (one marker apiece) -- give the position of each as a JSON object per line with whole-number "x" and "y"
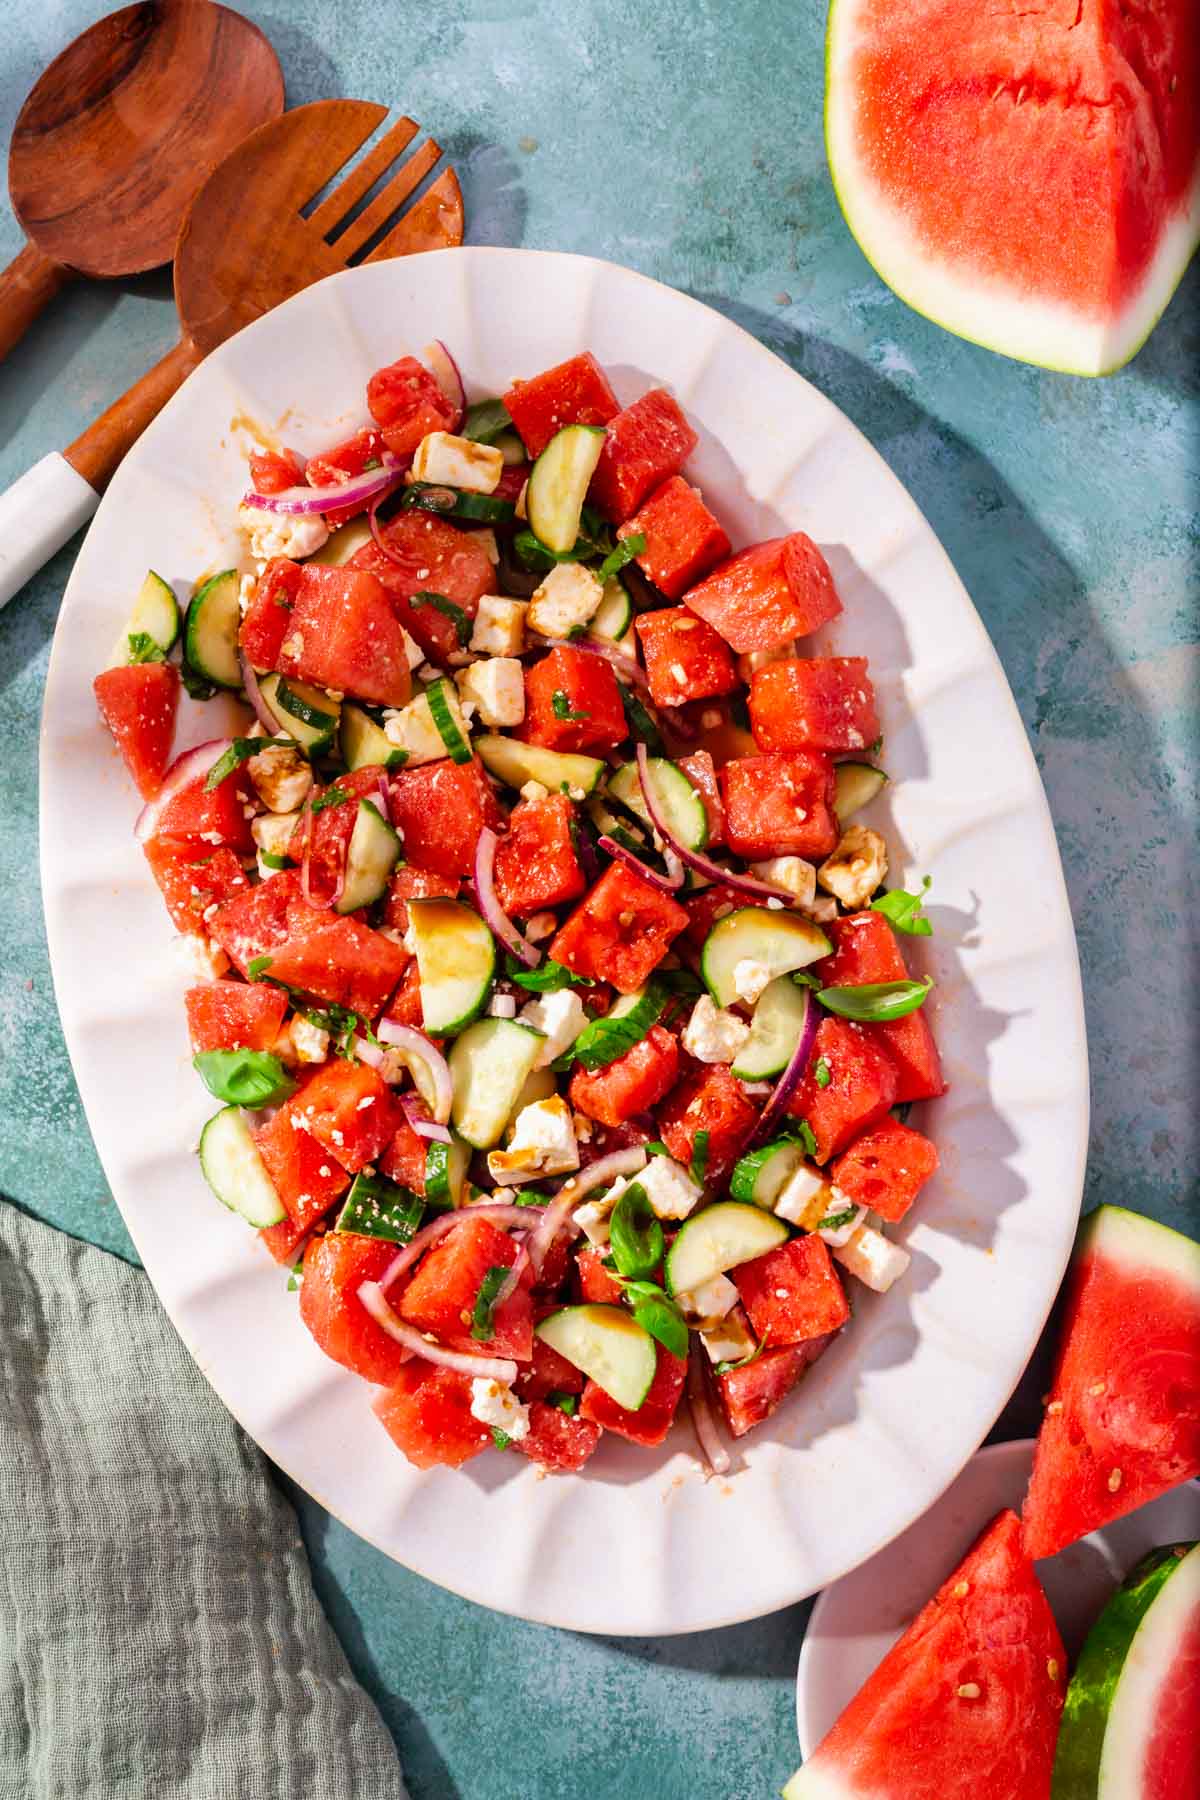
{"x": 685, "y": 140}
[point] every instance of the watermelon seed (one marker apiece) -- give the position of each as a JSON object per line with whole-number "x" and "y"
{"x": 1097, "y": 1387}
{"x": 1055, "y": 1407}
{"x": 970, "y": 1690}
{"x": 1052, "y": 1668}
{"x": 1114, "y": 1481}
{"x": 961, "y": 1590}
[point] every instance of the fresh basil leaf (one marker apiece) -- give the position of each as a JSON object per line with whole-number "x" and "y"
{"x": 250, "y": 1078}
{"x": 500, "y": 1438}
{"x": 547, "y": 978}
{"x": 145, "y": 649}
{"x": 680, "y": 981}
{"x": 699, "y": 1166}
{"x": 486, "y": 420}
{"x": 876, "y": 1002}
{"x": 663, "y": 1320}
{"x": 834, "y": 1220}
{"x": 726, "y": 1368}
{"x": 904, "y": 912}
{"x": 806, "y": 978}
{"x": 536, "y": 555}
{"x": 530, "y": 1197}
{"x": 449, "y": 609}
{"x": 802, "y": 1131}
{"x": 257, "y": 967}
{"x": 656, "y": 1147}
{"x": 272, "y": 861}
{"x": 624, "y": 553}
{"x": 561, "y": 707}
{"x": 822, "y": 1074}
{"x": 485, "y": 1302}
{"x": 562, "y": 1063}
{"x": 640, "y": 722}
{"x": 239, "y": 751}
{"x": 196, "y": 686}
{"x": 565, "y": 1403}
{"x": 333, "y": 796}
{"x": 295, "y": 1276}
{"x": 635, "y": 1235}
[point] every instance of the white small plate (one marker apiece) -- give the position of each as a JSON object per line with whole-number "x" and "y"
{"x": 856, "y": 1621}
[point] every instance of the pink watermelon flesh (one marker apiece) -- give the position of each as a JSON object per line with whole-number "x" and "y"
{"x": 1171, "y": 1770}
{"x": 1122, "y": 1423}
{"x": 966, "y": 1706}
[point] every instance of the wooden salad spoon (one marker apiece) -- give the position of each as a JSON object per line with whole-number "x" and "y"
{"x": 116, "y": 137}
{"x": 244, "y": 246}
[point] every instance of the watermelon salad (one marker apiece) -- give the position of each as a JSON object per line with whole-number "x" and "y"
{"x": 552, "y": 987}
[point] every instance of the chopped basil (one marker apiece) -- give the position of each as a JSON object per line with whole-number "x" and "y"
{"x": 640, "y": 722}
{"x": 561, "y": 707}
{"x": 485, "y": 1302}
{"x": 486, "y": 420}
{"x": 660, "y": 1316}
{"x": 806, "y": 978}
{"x": 272, "y": 861}
{"x": 565, "y": 1403}
{"x": 725, "y": 1368}
{"x": 656, "y": 1147}
{"x": 562, "y": 1063}
{"x": 341, "y": 1024}
{"x": 679, "y": 981}
{"x": 624, "y": 553}
{"x": 904, "y": 911}
{"x": 536, "y": 555}
{"x": 295, "y": 1276}
{"x": 530, "y": 1197}
{"x": 145, "y": 649}
{"x": 333, "y": 796}
{"x": 258, "y": 967}
{"x": 197, "y": 686}
{"x": 822, "y": 1073}
{"x": 548, "y": 978}
{"x": 835, "y": 1220}
{"x": 239, "y": 751}
{"x": 699, "y": 1166}
{"x": 449, "y": 609}
{"x": 500, "y": 1438}
{"x": 876, "y": 1001}
{"x": 802, "y": 1131}
{"x": 250, "y": 1078}
{"x": 635, "y": 1235}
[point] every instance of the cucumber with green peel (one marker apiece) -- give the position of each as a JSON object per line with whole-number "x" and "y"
{"x": 614, "y": 615}
{"x": 343, "y": 543}
{"x": 305, "y": 714}
{"x": 717, "y": 1239}
{"x": 446, "y": 1173}
{"x": 152, "y": 628}
{"x": 678, "y": 802}
{"x": 558, "y": 485}
{"x": 780, "y": 941}
{"x": 609, "y": 825}
{"x": 855, "y": 785}
{"x": 603, "y": 1040}
{"x": 458, "y": 503}
{"x": 489, "y": 1064}
{"x": 378, "y": 1208}
{"x": 456, "y": 960}
{"x": 441, "y": 697}
{"x": 373, "y": 853}
{"x": 779, "y": 1017}
{"x": 515, "y": 763}
{"x": 364, "y": 744}
{"x": 236, "y": 1172}
{"x": 210, "y": 632}
{"x": 609, "y": 1345}
{"x": 761, "y": 1175}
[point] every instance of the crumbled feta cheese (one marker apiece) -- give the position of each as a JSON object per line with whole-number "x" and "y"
{"x": 823, "y": 911}
{"x": 542, "y": 1143}
{"x": 309, "y": 1041}
{"x": 296, "y": 535}
{"x": 458, "y": 462}
{"x": 838, "y": 1235}
{"x": 712, "y": 1035}
{"x": 206, "y": 960}
{"x": 486, "y": 540}
{"x": 857, "y": 867}
{"x": 669, "y": 1188}
{"x": 412, "y": 728}
{"x": 749, "y": 979}
{"x": 535, "y": 790}
{"x": 876, "y": 1262}
{"x": 561, "y": 1016}
{"x": 502, "y": 1006}
{"x": 247, "y": 588}
{"x": 567, "y": 597}
{"x": 414, "y": 656}
{"x": 499, "y": 628}
{"x": 280, "y": 776}
{"x": 731, "y": 1339}
{"x": 592, "y": 1220}
{"x": 711, "y": 1301}
{"x": 494, "y": 1403}
{"x": 496, "y": 687}
{"x": 804, "y": 1198}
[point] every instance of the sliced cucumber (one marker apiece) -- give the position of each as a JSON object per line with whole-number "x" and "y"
{"x": 761, "y": 1176}
{"x": 780, "y": 941}
{"x": 458, "y": 503}
{"x": 609, "y": 825}
{"x": 378, "y": 1208}
{"x": 558, "y": 484}
{"x": 442, "y": 700}
{"x": 539, "y": 1085}
{"x": 608, "y": 1344}
{"x": 373, "y": 853}
{"x": 603, "y": 1040}
{"x": 235, "y": 1171}
{"x": 364, "y": 744}
{"x": 855, "y": 784}
{"x": 720, "y": 1238}
{"x": 210, "y": 634}
{"x": 612, "y": 618}
{"x": 343, "y": 543}
{"x": 155, "y": 617}
{"x": 677, "y": 801}
{"x": 775, "y": 1030}
{"x": 446, "y": 1173}
{"x": 456, "y": 959}
{"x": 488, "y": 1065}
{"x": 304, "y": 713}
{"x": 515, "y": 763}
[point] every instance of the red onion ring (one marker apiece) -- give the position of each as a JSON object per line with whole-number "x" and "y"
{"x": 793, "y": 1074}
{"x": 597, "y": 1174}
{"x": 367, "y": 1053}
{"x": 704, "y": 865}
{"x": 445, "y": 372}
{"x": 355, "y": 492}
{"x": 421, "y": 1123}
{"x": 668, "y": 883}
{"x": 384, "y": 801}
{"x": 497, "y": 920}
{"x": 512, "y": 1279}
{"x": 498, "y": 1213}
{"x": 703, "y": 1417}
{"x": 498, "y": 1368}
{"x": 188, "y": 766}
{"x": 438, "y": 1090}
{"x": 254, "y": 697}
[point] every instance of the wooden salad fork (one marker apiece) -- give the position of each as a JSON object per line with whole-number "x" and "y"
{"x": 244, "y": 246}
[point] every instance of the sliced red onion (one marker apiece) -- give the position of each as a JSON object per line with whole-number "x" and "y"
{"x": 793, "y": 1074}
{"x": 189, "y": 766}
{"x": 369, "y": 1053}
{"x": 512, "y": 1279}
{"x": 704, "y": 865}
{"x": 703, "y": 1417}
{"x": 254, "y": 696}
{"x": 668, "y": 882}
{"x": 384, "y": 800}
{"x": 498, "y": 1368}
{"x": 498, "y": 1213}
{"x": 423, "y": 1125}
{"x": 625, "y": 666}
{"x": 445, "y": 372}
{"x": 354, "y": 492}
{"x": 598, "y": 1174}
{"x": 494, "y": 914}
{"x": 425, "y": 1062}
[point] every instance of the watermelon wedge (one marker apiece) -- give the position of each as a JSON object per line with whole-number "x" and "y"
{"x": 1131, "y": 1724}
{"x": 1122, "y": 1422}
{"x": 966, "y": 1706}
{"x": 1026, "y": 176}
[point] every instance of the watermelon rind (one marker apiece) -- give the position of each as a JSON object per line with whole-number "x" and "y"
{"x": 984, "y": 311}
{"x": 816, "y": 1784}
{"x": 1111, "y": 1708}
{"x": 1137, "y": 1242}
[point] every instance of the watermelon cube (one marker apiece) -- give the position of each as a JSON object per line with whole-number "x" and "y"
{"x": 701, "y": 772}
{"x": 138, "y": 704}
{"x": 779, "y": 805}
{"x": 575, "y": 392}
{"x": 860, "y": 1089}
{"x": 866, "y": 950}
{"x": 403, "y": 1160}
{"x": 708, "y": 1099}
{"x": 548, "y": 1372}
{"x": 440, "y": 809}
{"x": 685, "y": 658}
{"x": 572, "y": 702}
{"x": 683, "y": 539}
{"x": 645, "y": 445}
{"x": 621, "y": 931}
{"x": 441, "y": 1296}
{"x": 886, "y": 1168}
{"x": 651, "y": 1422}
{"x": 350, "y": 1109}
{"x": 710, "y": 904}
{"x": 407, "y": 403}
{"x": 813, "y": 703}
{"x": 326, "y": 830}
{"x": 536, "y": 865}
{"x": 234, "y": 1015}
{"x": 792, "y": 1294}
{"x": 274, "y": 471}
{"x": 428, "y": 555}
{"x": 192, "y": 885}
{"x": 306, "y": 1177}
{"x": 268, "y": 618}
{"x": 335, "y": 1266}
{"x": 343, "y": 633}
{"x": 592, "y": 1279}
{"x": 411, "y": 882}
{"x": 335, "y": 467}
{"x": 342, "y": 962}
{"x": 405, "y": 1006}
{"x": 750, "y": 1394}
{"x": 198, "y": 820}
{"x": 631, "y": 1084}
{"x": 766, "y": 596}
{"x": 556, "y": 1441}
{"x": 258, "y": 919}
{"x": 427, "y": 1414}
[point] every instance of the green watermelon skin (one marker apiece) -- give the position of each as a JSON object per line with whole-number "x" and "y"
{"x": 1122, "y": 1421}
{"x": 966, "y": 1705}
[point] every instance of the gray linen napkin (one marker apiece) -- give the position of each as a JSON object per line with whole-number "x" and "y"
{"x": 159, "y": 1633}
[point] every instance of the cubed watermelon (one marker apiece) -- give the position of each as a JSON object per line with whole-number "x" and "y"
{"x": 138, "y": 704}
{"x": 350, "y": 1109}
{"x": 769, "y": 594}
{"x": 632, "y": 1083}
{"x": 192, "y": 885}
{"x": 865, "y": 951}
{"x": 683, "y": 539}
{"x": 779, "y": 805}
{"x": 548, "y": 1373}
{"x": 792, "y": 1294}
{"x": 556, "y": 1441}
{"x": 427, "y": 1414}
{"x": 441, "y": 1295}
{"x": 403, "y": 1160}
{"x": 593, "y": 1281}
{"x": 343, "y": 633}
{"x": 198, "y": 818}
{"x": 536, "y": 865}
{"x": 333, "y": 468}
{"x": 708, "y": 1099}
{"x": 343, "y": 962}
{"x": 575, "y": 392}
{"x": 254, "y": 922}
{"x": 621, "y": 931}
{"x": 428, "y": 555}
{"x": 710, "y": 904}
{"x": 440, "y": 809}
{"x": 685, "y": 658}
{"x": 572, "y": 702}
{"x": 651, "y": 1422}
{"x": 886, "y": 1168}
{"x": 274, "y": 471}
{"x": 268, "y": 618}
{"x": 411, "y": 882}
{"x": 234, "y": 1015}
{"x": 859, "y": 1089}
{"x": 407, "y": 403}
{"x": 644, "y": 446}
{"x": 335, "y": 1265}
{"x": 328, "y": 826}
{"x": 750, "y": 1394}
{"x": 813, "y": 703}
{"x": 306, "y": 1177}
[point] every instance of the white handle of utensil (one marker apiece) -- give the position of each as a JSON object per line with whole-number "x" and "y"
{"x": 38, "y": 513}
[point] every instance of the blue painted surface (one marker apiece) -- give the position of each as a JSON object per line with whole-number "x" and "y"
{"x": 686, "y": 141}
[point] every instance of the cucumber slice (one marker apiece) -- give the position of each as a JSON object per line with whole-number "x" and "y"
{"x": 378, "y": 1208}
{"x": 373, "y": 853}
{"x": 446, "y": 1173}
{"x": 155, "y": 616}
{"x": 488, "y": 1065}
{"x": 343, "y": 543}
{"x": 210, "y": 640}
{"x": 364, "y": 744}
{"x": 456, "y": 959}
{"x": 781, "y": 941}
{"x": 774, "y": 1030}
{"x": 855, "y": 784}
{"x": 515, "y": 763}
{"x": 539, "y": 1085}
{"x": 609, "y": 825}
{"x": 558, "y": 484}
{"x": 761, "y": 1176}
{"x": 614, "y": 615}
{"x": 678, "y": 802}
{"x": 603, "y": 1040}
{"x": 458, "y": 503}
{"x": 717, "y": 1239}
{"x": 304, "y": 713}
{"x": 608, "y": 1344}
{"x": 235, "y": 1171}
{"x": 452, "y": 728}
